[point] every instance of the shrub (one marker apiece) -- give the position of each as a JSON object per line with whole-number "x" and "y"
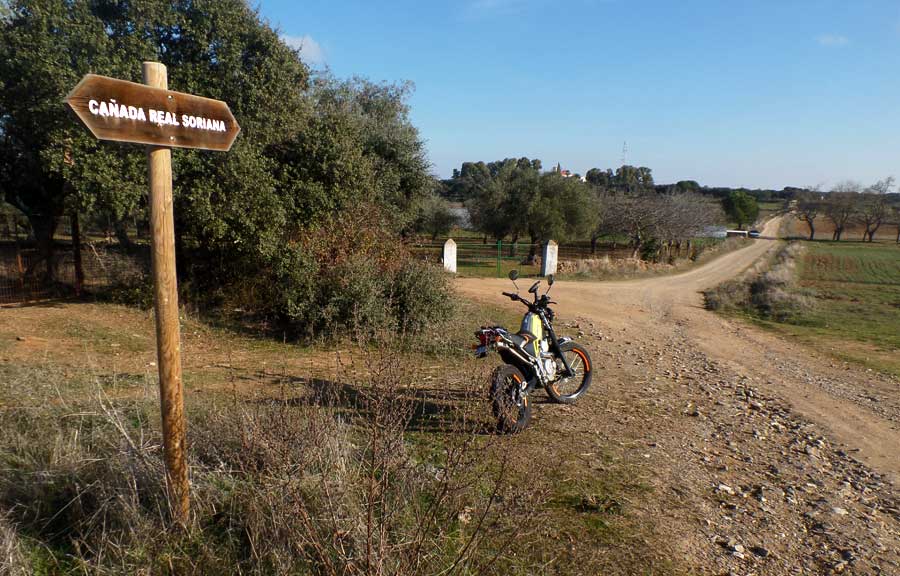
{"x": 766, "y": 293}
{"x": 350, "y": 273}
{"x": 422, "y": 296}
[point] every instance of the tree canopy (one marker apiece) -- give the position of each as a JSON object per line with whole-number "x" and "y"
{"x": 741, "y": 208}
{"x": 310, "y": 150}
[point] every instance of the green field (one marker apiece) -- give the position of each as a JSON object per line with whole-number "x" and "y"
{"x": 855, "y": 289}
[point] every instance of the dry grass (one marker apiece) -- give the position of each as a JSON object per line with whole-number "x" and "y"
{"x": 606, "y": 268}
{"x": 767, "y": 290}
{"x": 291, "y": 449}
{"x": 327, "y": 478}
{"x": 12, "y": 560}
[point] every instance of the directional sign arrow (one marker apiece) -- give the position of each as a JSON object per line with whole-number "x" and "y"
{"x": 128, "y": 112}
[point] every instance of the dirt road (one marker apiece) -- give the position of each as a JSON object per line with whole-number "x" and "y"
{"x": 767, "y": 457}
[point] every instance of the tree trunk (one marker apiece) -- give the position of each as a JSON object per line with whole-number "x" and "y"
{"x": 513, "y": 245}
{"x": 872, "y": 233}
{"x": 594, "y": 245}
{"x": 76, "y": 250}
{"x": 812, "y": 229}
{"x": 121, "y": 229}
{"x": 638, "y": 244}
{"x": 536, "y": 243}
{"x": 44, "y": 227}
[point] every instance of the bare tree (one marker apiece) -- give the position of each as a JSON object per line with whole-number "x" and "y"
{"x": 667, "y": 219}
{"x": 634, "y": 215}
{"x": 875, "y": 208}
{"x": 809, "y": 203}
{"x": 840, "y": 206}
{"x": 897, "y": 221}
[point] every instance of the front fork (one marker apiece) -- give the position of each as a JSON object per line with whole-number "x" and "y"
{"x": 555, "y": 344}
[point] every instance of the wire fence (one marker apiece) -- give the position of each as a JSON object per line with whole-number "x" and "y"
{"x": 24, "y": 272}
{"x": 496, "y": 258}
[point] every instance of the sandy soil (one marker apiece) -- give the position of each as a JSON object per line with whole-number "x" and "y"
{"x": 768, "y": 458}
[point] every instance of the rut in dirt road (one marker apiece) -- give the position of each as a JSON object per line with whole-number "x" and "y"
{"x": 768, "y": 458}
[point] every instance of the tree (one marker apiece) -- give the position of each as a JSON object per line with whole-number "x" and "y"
{"x": 875, "y": 208}
{"x": 435, "y": 217}
{"x": 499, "y": 202}
{"x": 741, "y": 208}
{"x": 600, "y": 178}
{"x": 808, "y": 205}
{"x": 896, "y": 213}
{"x": 221, "y": 50}
{"x": 840, "y": 206}
{"x": 562, "y": 209}
{"x": 328, "y": 156}
{"x": 633, "y": 180}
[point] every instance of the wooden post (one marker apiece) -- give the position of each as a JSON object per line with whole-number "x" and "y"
{"x": 168, "y": 333}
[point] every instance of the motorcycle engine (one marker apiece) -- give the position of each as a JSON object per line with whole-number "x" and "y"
{"x": 549, "y": 367}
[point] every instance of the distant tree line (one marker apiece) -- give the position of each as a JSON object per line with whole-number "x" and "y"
{"x": 513, "y": 198}
{"x": 850, "y": 204}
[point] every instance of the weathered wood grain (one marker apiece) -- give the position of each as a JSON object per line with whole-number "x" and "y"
{"x": 102, "y": 89}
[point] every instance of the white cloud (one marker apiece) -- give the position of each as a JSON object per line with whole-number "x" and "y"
{"x": 310, "y": 50}
{"x": 833, "y": 40}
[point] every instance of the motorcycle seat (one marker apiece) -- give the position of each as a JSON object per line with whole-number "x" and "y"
{"x": 522, "y": 339}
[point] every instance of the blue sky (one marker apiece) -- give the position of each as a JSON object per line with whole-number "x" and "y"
{"x": 730, "y": 93}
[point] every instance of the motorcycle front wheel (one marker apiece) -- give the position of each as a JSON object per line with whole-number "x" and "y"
{"x": 508, "y": 401}
{"x": 565, "y": 390}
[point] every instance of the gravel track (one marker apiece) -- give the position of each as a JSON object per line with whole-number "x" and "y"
{"x": 767, "y": 458}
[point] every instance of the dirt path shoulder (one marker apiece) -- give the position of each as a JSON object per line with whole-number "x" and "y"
{"x": 768, "y": 458}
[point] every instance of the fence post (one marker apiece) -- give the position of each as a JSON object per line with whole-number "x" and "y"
{"x": 499, "y": 257}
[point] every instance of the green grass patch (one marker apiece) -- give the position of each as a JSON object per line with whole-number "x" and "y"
{"x": 853, "y": 290}
{"x": 856, "y": 288}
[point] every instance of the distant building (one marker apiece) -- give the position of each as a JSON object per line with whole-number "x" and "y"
{"x": 563, "y": 173}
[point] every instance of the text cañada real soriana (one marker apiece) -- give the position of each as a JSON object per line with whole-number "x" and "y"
{"x": 113, "y": 109}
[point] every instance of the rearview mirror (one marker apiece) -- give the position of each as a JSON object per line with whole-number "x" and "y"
{"x": 550, "y": 280}
{"x": 513, "y": 275}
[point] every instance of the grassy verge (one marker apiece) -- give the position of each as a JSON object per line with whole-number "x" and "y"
{"x": 611, "y": 269}
{"x": 842, "y": 299}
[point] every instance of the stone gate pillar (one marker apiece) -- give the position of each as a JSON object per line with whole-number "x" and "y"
{"x": 450, "y": 255}
{"x": 549, "y": 258}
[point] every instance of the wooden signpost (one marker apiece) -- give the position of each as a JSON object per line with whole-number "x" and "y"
{"x": 151, "y": 114}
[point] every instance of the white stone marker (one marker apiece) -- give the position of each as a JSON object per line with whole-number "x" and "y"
{"x": 549, "y": 258}
{"x": 450, "y": 255}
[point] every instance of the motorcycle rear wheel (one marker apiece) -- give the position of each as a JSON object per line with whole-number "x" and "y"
{"x": 567, "y": 390}
{"x": 509, "y": 403}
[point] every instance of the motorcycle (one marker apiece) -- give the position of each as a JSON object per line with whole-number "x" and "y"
{"x": 532, "y": 357}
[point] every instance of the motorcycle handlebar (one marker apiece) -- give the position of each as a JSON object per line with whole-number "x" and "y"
{"x": 531, "y": 305}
